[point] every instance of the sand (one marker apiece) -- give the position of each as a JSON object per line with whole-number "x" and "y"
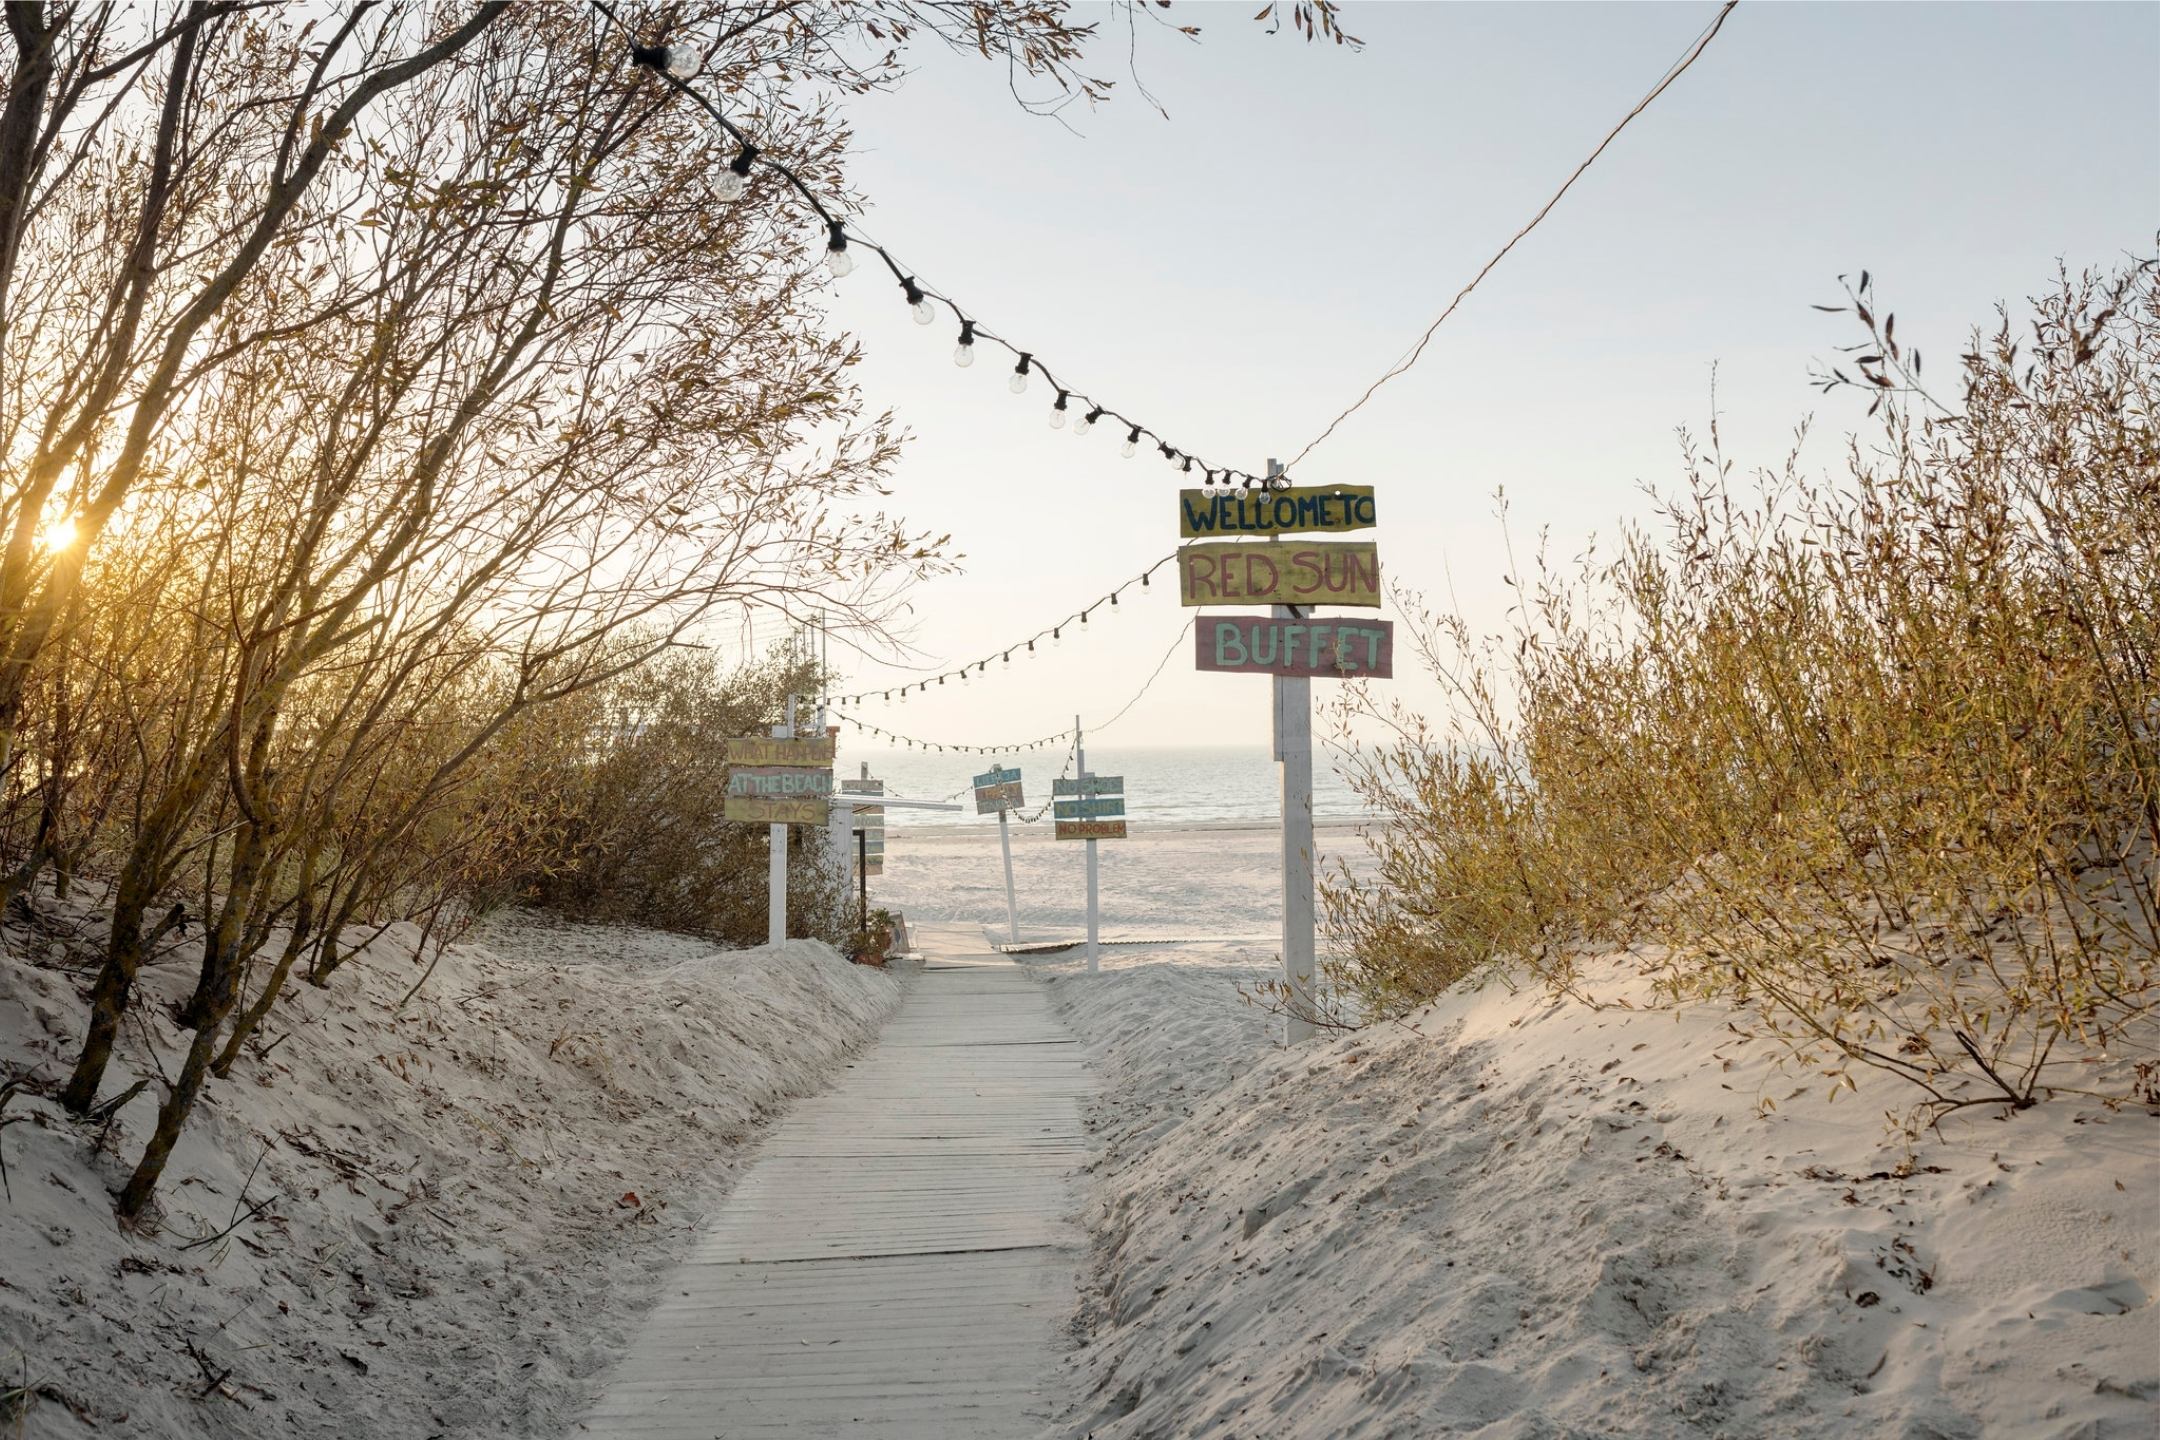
{"x": 1501, "y": 1216}
{"x": 1509, "y": 1217}
{"x": 475, "y": 1197}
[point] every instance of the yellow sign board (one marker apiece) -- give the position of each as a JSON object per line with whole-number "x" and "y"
{"x": 815, "y": 754}
{"x": 776, "y": 810}
{"x": 1307, "y": 508}
{"x": 1296, "y": 572}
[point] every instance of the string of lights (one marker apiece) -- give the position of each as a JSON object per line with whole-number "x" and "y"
{"x": 1004, "y": 654}
{"x": 1023, "y": 816}
{"x": 675, "y": 64}
{"x": 912, "y": 742}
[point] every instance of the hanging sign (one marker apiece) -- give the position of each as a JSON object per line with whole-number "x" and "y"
{"x": 1331, "y": 509}
{"x": 763, "y": 750}
{"x": 997, "y": 789}
{"x": 1321, "y": 649}
{"x": 1304, "y": 572}
{"x": 1095, "y": 811}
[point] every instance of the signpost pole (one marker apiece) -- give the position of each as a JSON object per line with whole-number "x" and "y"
{"x": 1293, "y": 747}
{"x": 776, "y": 882}
{"x": 1094, "y": 890}
{"x": 1012, "y": 907}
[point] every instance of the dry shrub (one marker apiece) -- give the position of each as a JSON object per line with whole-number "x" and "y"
{"x": 1878, "y": 761}
{"x": 625, "y": 790}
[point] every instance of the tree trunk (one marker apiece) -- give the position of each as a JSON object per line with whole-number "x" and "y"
{"x": 109, "y": 1000}
{"x": 216, "y": 990}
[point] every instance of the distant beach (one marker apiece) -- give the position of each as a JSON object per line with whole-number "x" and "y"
{"x": 1185, "y": 786}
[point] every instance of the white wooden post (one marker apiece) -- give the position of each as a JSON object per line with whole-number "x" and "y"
{"x": 839, "y": 839}
{"x": 776, "y": 876}
{"x": 1094, "y": 891}
{"x": 1012, "y": 906}
{"x": 1293, "y": 747}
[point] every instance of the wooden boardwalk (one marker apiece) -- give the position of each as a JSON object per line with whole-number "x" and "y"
{"x": 902, "y": 1258}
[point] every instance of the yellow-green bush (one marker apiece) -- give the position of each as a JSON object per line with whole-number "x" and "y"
{"x": 1878, "y": 760}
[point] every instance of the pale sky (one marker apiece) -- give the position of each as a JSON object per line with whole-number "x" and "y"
{"x": 1235, "y": 274}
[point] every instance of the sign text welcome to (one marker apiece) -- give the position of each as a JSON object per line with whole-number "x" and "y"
{"x": 1275, "y": 512}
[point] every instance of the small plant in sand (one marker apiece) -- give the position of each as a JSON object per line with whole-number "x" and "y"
{"x": 1877, "y": 761}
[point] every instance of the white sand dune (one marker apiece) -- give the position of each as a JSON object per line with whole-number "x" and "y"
{"x": 1501, "y": 1217}
{"x": 1506, "y": 1217}
{"x": 476, "y": 1195}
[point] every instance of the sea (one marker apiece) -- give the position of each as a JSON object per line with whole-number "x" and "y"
{"x": 1166, "y": 787}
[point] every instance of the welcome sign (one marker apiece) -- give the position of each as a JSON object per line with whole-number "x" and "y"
{"x": 1306, "y": 572}
{"x": 1275, "y": 512}
{"x": 1329, "y": 649}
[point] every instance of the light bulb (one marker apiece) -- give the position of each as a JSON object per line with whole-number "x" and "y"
{"x": 836, "y": 256}
{"x": 736, "y": 178}
{"x": 917, "y": 301}
{"x": 1057, "y": 413}
{"x": 1017, "y": 383}
{"x": 1130, "y": 448}
{"x": 1082, "y": 425}
{"x": 963, "y": 354}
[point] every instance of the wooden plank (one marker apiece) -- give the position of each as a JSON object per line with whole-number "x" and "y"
{"x": 902, "y": 1258}
{"x": 990, "y": 799}
{"x": 1331, "y": 509}
{"x": 996, "y": 775}
{"x": 1319, "y": 648}
{"x": 1091, "y": 785}
{"x": 764, "y": 810}
{"x": 1301, "y": 572}
{"x": 764, "y": 750}
{"x": 1090, "y": 830}
{"x": 1110, "y": 809}
{"x": 778, "y": 781}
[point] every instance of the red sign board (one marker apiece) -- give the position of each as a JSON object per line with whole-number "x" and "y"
{"x": 1302, "y": 572}
{"x": 1321, "y": 648}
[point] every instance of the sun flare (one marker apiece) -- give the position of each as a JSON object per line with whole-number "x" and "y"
{"x": 57, "y": 535}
